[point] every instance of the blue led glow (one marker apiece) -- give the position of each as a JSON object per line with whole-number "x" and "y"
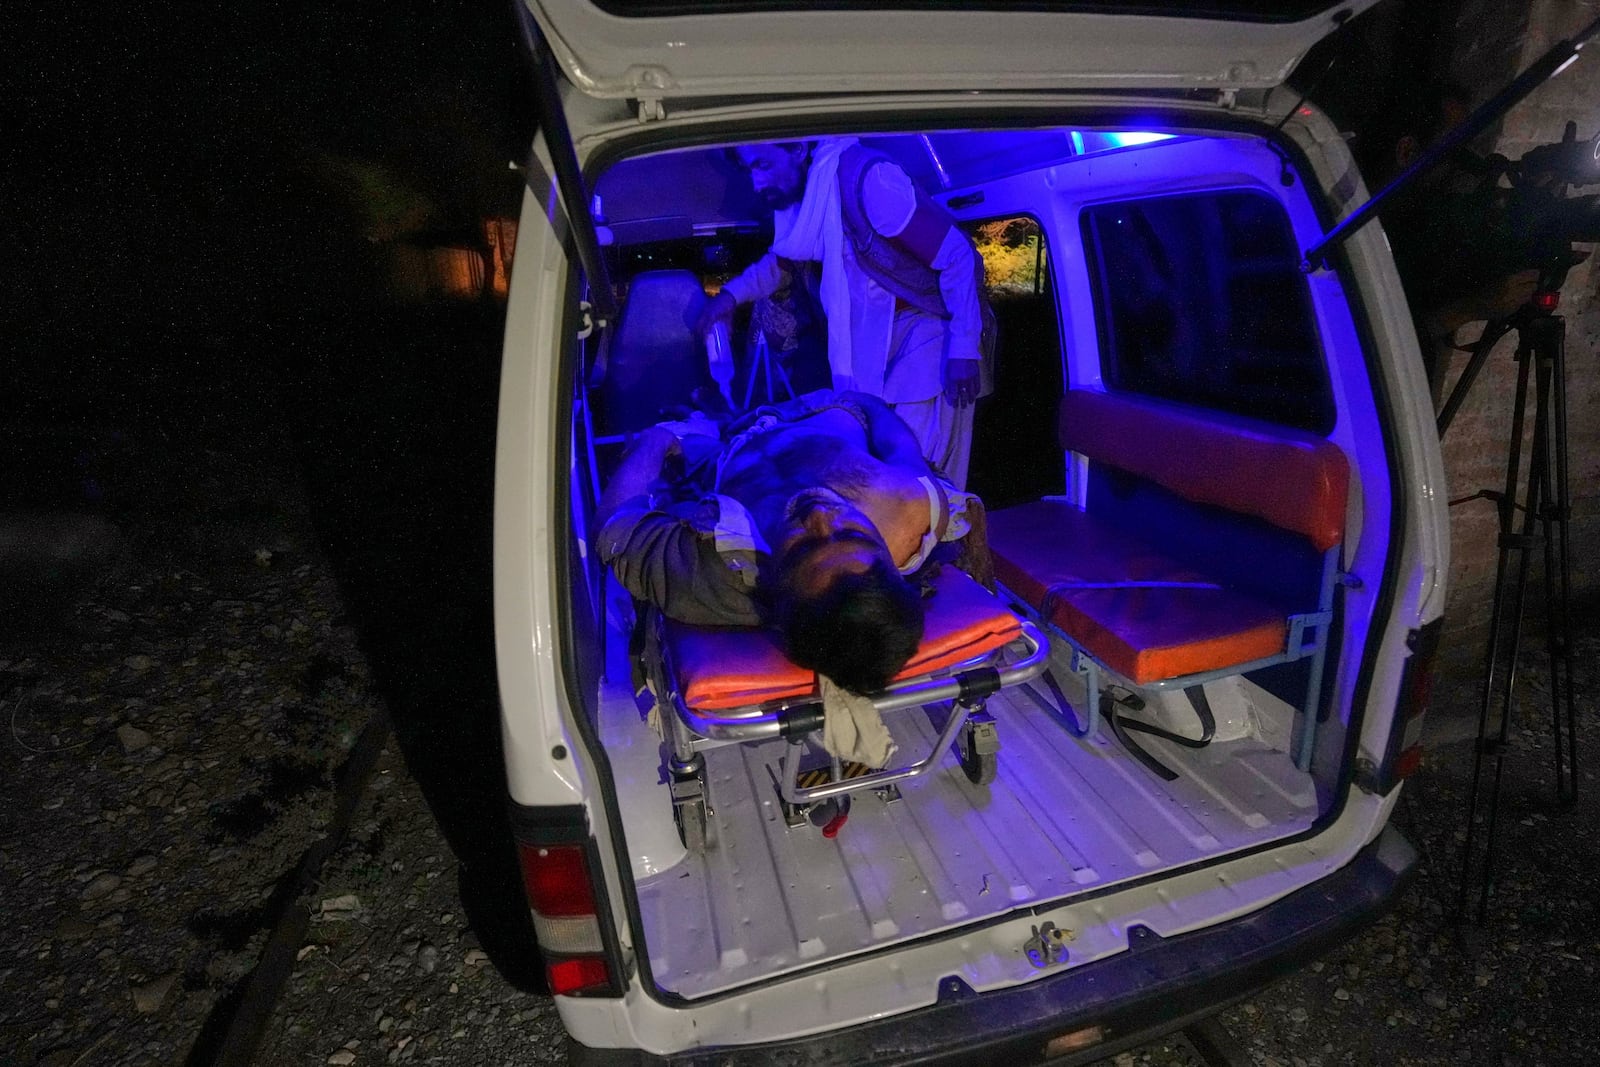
{"x": 1086, "y": 142}
{"x": 1123, "y": 140}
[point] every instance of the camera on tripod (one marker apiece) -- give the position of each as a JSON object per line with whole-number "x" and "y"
{"x": 1517, "y": 215}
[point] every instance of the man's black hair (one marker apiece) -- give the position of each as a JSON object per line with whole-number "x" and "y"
{"x": 860, "y": 631}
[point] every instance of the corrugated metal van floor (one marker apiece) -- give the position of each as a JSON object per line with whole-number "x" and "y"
{"x": 1063, "y": 816}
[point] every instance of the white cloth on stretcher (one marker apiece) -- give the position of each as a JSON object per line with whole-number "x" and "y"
{"x": 852, "y": 729}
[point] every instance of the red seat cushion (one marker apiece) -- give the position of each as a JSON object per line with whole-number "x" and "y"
{"x": 1292, "y": 479}
{"x": 723, "y": 667}
{"x": 1144, "y": 634}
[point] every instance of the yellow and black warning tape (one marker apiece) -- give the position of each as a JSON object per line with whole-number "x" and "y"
{"x": 822, "y": 775}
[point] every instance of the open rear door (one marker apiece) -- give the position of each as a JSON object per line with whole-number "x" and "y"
{"x": 665, "y": 49}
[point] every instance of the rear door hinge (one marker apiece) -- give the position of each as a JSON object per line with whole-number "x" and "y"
{"x": 1249, "y": 100}
{"x": 651, "y": 85}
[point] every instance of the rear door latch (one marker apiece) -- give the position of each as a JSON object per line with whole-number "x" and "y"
{"x": 1048, "y": 945}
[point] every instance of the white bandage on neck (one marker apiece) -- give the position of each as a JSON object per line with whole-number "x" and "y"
{"x": 852, "y": 729}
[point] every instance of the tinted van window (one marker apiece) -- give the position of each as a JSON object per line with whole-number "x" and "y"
{"x": 1199, "y": 298}
{"x": 1015, "y": 454}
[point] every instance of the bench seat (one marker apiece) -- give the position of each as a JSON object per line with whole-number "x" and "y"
{"x": 1164, "y": 481}
{"x": 1061, "y": 560}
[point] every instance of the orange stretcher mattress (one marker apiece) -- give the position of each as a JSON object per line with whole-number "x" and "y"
{"x": 1145, "y": 634}
{"x": 718, "y": 668}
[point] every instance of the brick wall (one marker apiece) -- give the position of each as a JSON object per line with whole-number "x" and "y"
{"x": 1490, "y": 42}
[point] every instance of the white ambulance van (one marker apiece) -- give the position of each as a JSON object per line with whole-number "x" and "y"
{"x": 1215, "y": 506}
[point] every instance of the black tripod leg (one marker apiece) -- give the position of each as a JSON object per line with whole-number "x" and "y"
{"x": 1492, "y": 332}
{"x": 1541, "y": 349}
{"x": 1563, "y": 501}
{"x": 1538, "y": 476}
{"x": 1552, "y": 611}
{"x": 1557, "y": 567}
{"x": 1504, "y": 590}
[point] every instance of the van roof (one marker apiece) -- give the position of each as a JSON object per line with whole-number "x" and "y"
{"x": 701, "y": 187}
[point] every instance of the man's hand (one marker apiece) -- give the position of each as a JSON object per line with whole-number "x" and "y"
{"x": 961, "y": 381}
{"x": 644, "y": 462}
{"x": 719, "y": 308}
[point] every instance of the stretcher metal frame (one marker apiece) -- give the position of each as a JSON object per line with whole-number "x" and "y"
{"x": 966, "y": 684}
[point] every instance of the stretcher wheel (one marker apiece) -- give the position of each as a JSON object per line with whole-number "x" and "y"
{"x": 693, "y": 829}
{"x": 979, "y": 749}
{"x": 980, "y": 767}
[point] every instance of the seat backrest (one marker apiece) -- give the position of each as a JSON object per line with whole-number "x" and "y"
{"x": 654, "y": 360}
{"x": 1295, "y": 480}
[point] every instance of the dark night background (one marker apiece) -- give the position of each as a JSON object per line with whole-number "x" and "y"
{"x": 202, "y": 205}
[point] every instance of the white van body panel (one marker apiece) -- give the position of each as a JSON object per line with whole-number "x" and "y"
{"x": 526, "y": 614}
{"x": 1379, "y": 290}
{"x": 544, "y": 765}
{"x": 755, "y": 52}
{"x": 986, "y": 959}
{"x": 538, "y": 715}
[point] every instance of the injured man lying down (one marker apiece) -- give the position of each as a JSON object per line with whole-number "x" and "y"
{"x": 814, "y": 518}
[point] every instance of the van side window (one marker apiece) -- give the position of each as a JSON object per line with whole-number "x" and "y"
{"x": 1199, "y": 298}
{"x": 1015, "y": 457}
{"x": 1014, "y": 256}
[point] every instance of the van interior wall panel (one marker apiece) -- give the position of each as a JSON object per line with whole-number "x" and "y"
{"x": 1065, "y": 816}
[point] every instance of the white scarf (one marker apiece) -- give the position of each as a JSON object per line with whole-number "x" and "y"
{"x": 852, "y": 729}
{"x": 814, "y": 230}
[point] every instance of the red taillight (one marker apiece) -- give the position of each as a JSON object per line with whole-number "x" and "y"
{"x": 561, "y": 894}
{"x": 1407, "y": 763}
{"x": 1404, "y": 753}
{"x": 557, "y": 879}
{"x": 1547, "y": 301}
{"x": 577, "y": 975}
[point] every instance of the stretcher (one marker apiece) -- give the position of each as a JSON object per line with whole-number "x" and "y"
{"x": 719, "y": 685}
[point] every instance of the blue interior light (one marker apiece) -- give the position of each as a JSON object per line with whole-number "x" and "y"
{"x": 1123, "y": 140}
{"x": 1088, "y": 141}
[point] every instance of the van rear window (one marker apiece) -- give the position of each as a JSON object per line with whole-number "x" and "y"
{"x": 1199, "y": 298}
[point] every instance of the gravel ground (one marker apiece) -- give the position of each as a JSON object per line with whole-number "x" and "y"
{"x": 171, "y": 741}
{"x": 251, "y": 597}
{"x": 391, "y": 970}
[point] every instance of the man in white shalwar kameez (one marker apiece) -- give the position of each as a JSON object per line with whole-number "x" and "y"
{"x": 899, "y": 285}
